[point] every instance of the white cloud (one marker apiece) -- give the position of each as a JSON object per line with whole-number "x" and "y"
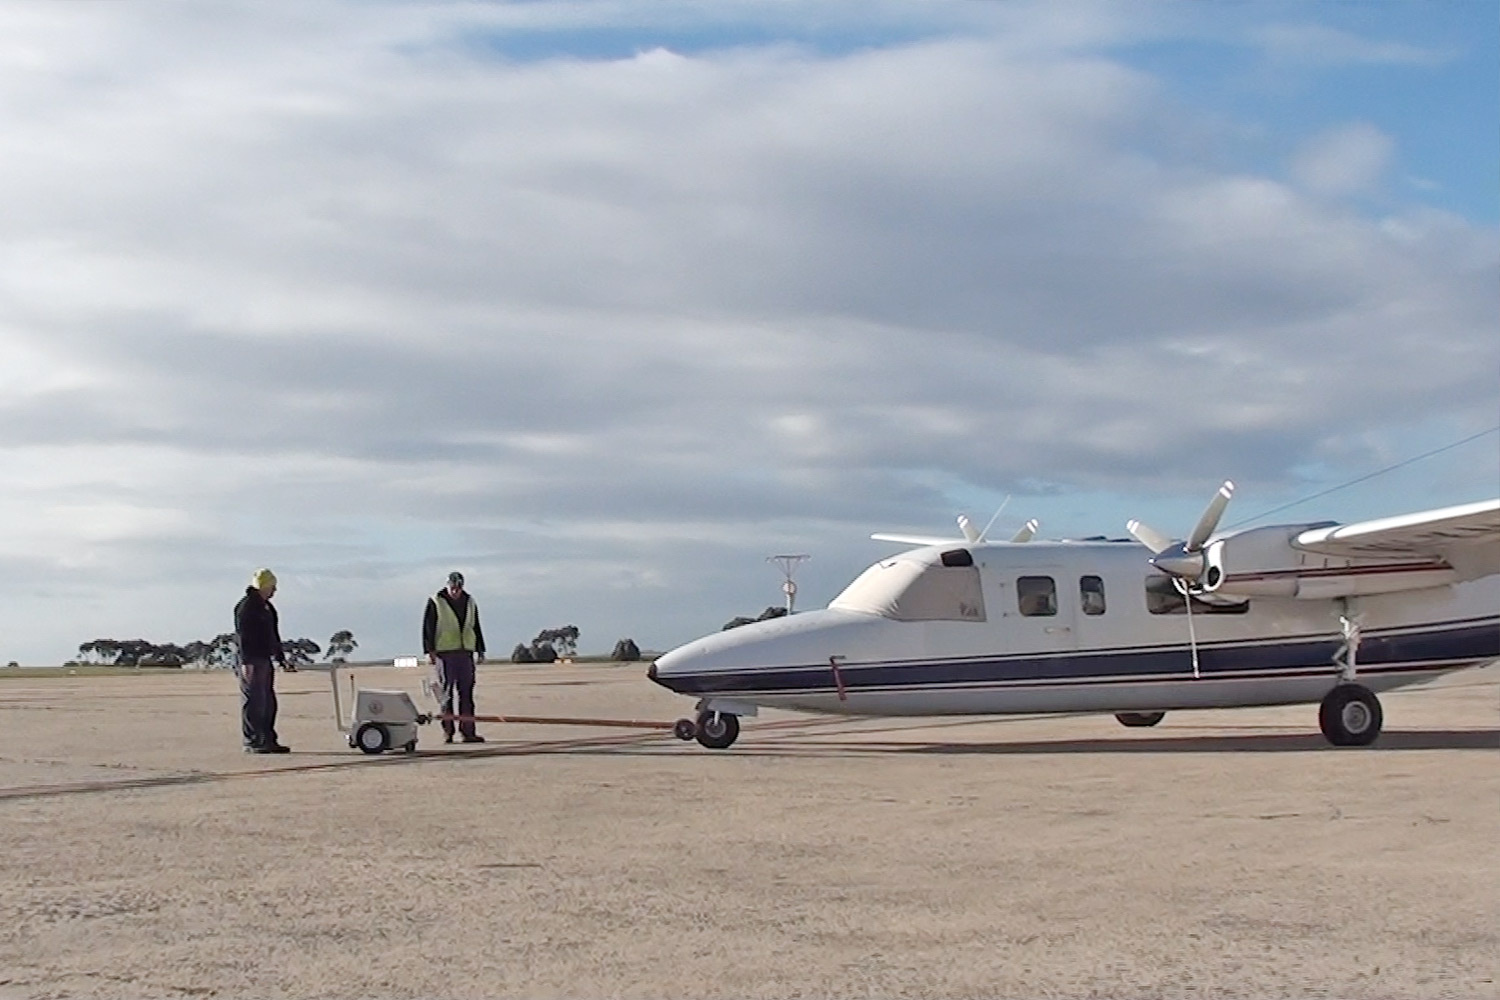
{"x": 1321, "y": 45}
{"x": 355, "y": 296}
{"x": 1350, "y": 160}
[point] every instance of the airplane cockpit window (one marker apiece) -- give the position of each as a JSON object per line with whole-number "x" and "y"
{"x": 1091, "y": 595}
{"x": 915, "y": 590}
{"x": 1036, "y": 596}
{"x": 1163, "y": 598}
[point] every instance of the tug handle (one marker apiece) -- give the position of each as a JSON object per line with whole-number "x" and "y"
{"x": 541, "y": 720}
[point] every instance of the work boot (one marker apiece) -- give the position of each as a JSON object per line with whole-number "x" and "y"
{"x": 447, "y": 737}
{"x": 473, "y": 738}
{"x": 277, "y": 748}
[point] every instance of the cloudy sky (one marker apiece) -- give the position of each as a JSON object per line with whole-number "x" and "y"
{"x": 603, "y": 303}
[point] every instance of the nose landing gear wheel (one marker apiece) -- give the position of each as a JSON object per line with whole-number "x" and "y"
{"x": 1139, "y": 719}
{"x": 717, "y": 730}
{"x": 372, "y": 738}
{"x": 1350, "y": 716}
{"x": 685, "y": 730}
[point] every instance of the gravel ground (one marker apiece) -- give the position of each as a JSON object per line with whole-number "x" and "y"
{"x": 1221, "y": 854}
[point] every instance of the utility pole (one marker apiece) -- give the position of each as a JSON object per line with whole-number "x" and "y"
{"x": 788, "y": 566}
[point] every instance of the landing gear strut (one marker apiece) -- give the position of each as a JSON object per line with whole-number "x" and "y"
{"x": 1345, "y": 657}
{"x": 1350, "y": 716}
{"x": 718, "y": 730}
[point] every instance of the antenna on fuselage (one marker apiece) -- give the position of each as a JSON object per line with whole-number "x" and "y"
{"x": 789, "y": 566}
{"x": 993, "y": 519}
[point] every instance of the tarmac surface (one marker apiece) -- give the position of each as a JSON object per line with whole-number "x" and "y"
{"x": 1221, "y": 854}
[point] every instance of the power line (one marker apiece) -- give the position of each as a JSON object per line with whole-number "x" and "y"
{"x": 1372, "y": 475}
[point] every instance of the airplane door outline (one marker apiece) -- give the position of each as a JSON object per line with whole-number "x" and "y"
{"x": 1040, "y": 630}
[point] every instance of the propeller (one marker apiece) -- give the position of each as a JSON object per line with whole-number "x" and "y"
{"x": 1024, "y": 534}
{"x": 971, "y": 535}
{"x": 974, "y": 536}
{"x": 1184, "y": 560}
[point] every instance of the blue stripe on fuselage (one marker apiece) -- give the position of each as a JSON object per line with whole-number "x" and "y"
{"x": 1441, "y": 647}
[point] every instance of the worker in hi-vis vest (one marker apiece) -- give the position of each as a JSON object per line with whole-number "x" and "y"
{"x": 453, "y": 641}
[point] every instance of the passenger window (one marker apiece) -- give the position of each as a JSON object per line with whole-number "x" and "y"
{"x": 1091, "y": 595}
{"x": 1037, "y": 596}
{"x": 1163, "y": 598}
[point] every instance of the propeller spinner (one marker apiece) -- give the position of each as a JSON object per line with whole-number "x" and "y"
{"x": 1185, "y": 559}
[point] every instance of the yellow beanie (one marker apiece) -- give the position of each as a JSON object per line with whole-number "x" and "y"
{"x": 263, "y": 579}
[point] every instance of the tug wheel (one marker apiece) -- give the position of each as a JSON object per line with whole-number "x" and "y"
{"x": 684, "y": 729}
{"x": 1137, "y": 720}
{"x": 717, "y": 730}
{"x": 372, "y": 738}
{"x": 1350, "y": 716}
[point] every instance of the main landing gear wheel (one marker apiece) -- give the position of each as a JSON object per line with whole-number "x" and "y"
{"x": 1350, "y": 716}
{"x": 1139, "y": 720}
{"x": 372, "y": 738}
{"x": 717, "y": 730}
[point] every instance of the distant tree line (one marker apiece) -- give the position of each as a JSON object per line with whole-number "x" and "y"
{"x": 216, "y": 652}
{"x": 552, "y": 644}
{"x": 220, "y": 651}
{"x": 548, "y": 646}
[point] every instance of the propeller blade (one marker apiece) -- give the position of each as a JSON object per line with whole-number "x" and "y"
{"x": 1210, "y": 519}
{"x": 967, "y": 527}
{"x": 1028, "y": 530}
{"x": 1148, "y": 536}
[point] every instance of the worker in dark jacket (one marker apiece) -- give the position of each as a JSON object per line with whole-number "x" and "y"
{"x": 453, "y": 640}
{"x": 259, "y": 633}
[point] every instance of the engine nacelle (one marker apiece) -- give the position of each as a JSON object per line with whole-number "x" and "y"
{"x": 1264, "y": 562}
{"x": 1212, "y": 577}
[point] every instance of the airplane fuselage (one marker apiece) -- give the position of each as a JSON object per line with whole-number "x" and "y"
{"x": 1071, "y": 627}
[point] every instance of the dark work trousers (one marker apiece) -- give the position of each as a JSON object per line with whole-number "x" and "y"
{"x": 258, "y": 701}
{"x": 458, "y": 679}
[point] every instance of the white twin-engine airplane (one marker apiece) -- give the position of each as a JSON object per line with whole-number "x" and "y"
{"x": 1287, "y": 614}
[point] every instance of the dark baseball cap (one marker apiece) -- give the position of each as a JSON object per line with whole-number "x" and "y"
{"x": 455, "y": 579}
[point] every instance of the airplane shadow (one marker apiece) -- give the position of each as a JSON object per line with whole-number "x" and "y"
{"x": 853, "y": 746}
{"x": 1432, "y": 739}
{"x": 790, "y": 746}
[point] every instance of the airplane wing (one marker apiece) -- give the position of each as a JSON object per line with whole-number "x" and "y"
{"x": 1466, "y": 537}
{"x": 917, "y": 539}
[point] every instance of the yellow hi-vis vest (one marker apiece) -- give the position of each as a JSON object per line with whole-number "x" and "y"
{"x": 450, "y": 635}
